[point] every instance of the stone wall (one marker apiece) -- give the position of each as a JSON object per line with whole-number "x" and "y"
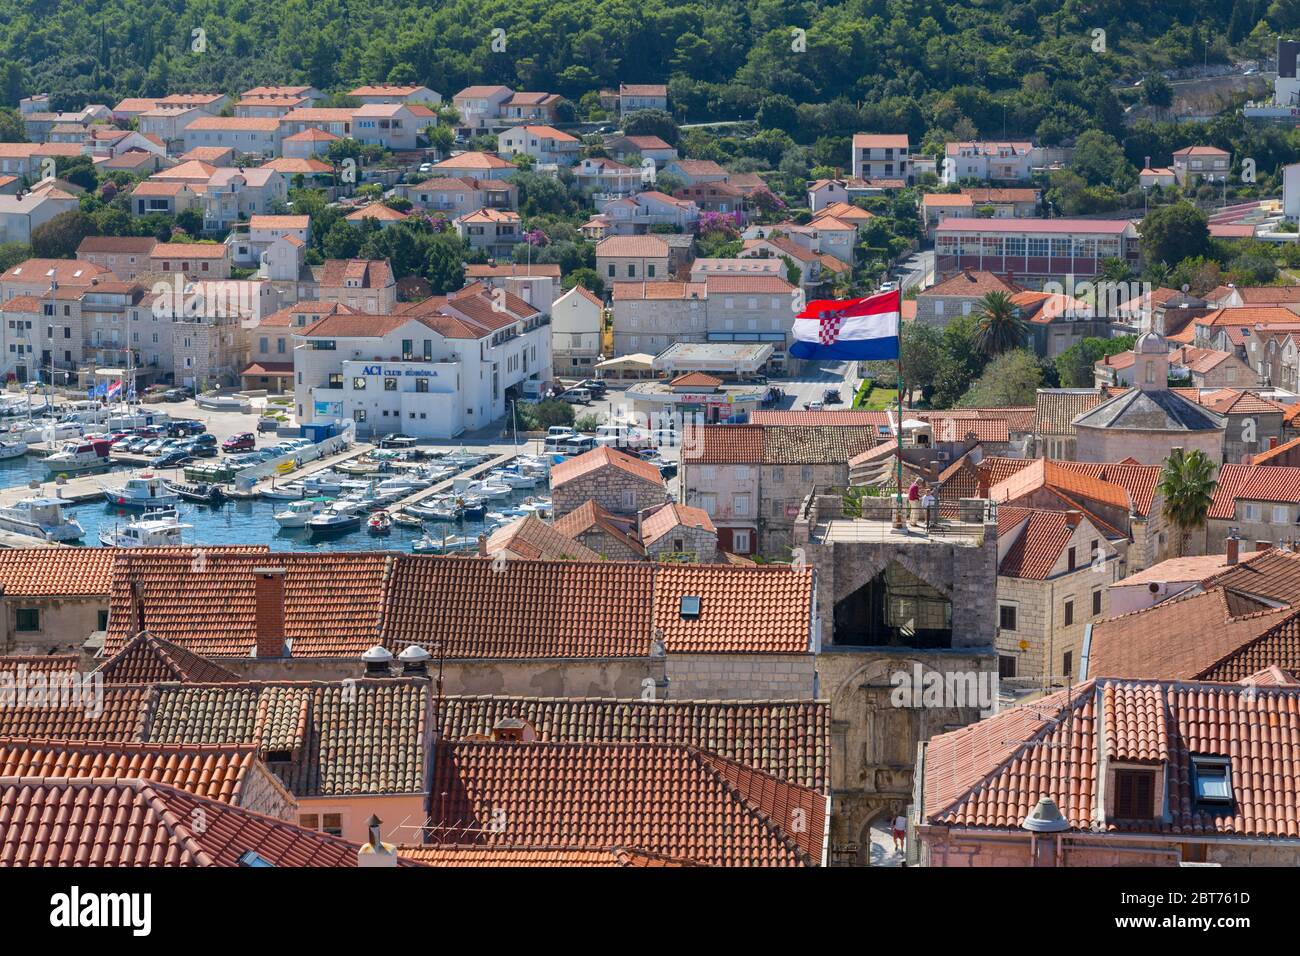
{"x": 741, "y": 676}
{"x": 65, "y": 624}
{"x": 608, "y": 546}
{"x": 610, "y": 487}
{"x": 941, "y": 846}
{"x": 699, "y": 542}
{"x": 1040, "y": 620}
{"x": 1147, "y": 448}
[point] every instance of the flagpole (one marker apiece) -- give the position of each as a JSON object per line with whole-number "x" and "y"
{"x": 898, "y": 431}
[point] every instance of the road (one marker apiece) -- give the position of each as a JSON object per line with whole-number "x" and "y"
{"x": 916, "y": 270}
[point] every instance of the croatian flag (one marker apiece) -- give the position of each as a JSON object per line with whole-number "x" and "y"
{"x": 114, "y": 387}
{"x": 861, "y": 329}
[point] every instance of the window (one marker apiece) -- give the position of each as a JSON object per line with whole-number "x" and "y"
{"x": 1067, "y": 664}
{"x": 807, "y": 473}
{"x": 1212, "y": 781}
{"x": 1096, "y": 603}
{"x": 359, "y": 383}
{"x": 1069, "y": 613}
{"x": 1281, "y": 514}
{"x": 741, "y": 505}
{"x": 28, "y": 619}
{"x": 421, "y": 384}
{"x": 1070, "y": 559}
{"x": 390, "y": 385}
{"x": 740, "y": 542}
{"x": 778, "y": 474}
{"x": 1006, "y": 666}
{"x": 102, "y": 620}
{"x": 1007, "y": 617}
{"x": 1134, "y": 794}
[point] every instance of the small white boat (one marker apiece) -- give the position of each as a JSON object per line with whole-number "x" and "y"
{"x": 79, "y": 455}
{"x": 12, "y": 449}
{"x": 537, "y": 506}
{"x": 407, "y": 521}
{"x": 446, "y": 545}
{"x": 488, "y": 489}
{"x": 153, "y": 529}
{"x": 403, "y": 484}
{"x": 293, "y": 491}
{"x": 40, "y": 518}
{"x": 298, "y": 513}
{"x": 146, "y": 491}
{"x": 445, "y": 510}
{"x": 437, "y": 473}
{"x": 515, "y": 479}
{"x": 325, "y": 482}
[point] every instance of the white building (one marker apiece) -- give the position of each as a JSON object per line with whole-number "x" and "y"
{"x": 577, "y": 318}
{"x": 435, "y": 370}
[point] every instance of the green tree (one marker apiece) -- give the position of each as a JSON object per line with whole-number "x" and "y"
{"x": 1011, "y": 378}
{"x": 651, "y": 123}
{"x": 998, "y": 325}
{"x": 59, "y": 238}
{"x": 1174, "y": 233}
{"x": 589, "y": 279}
{"x": 921, "y": 345}
{"x": 1187, "y": 488}
{"x": 960, "y": 362}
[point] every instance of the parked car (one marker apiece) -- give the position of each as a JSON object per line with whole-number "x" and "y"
{"x": 597, "y": 387}
{"x": 172, "y": 459}
{"x": 814, "y": 406}
{"x": 159, "y": 445}
{"x": 244, "y": 441}
{"x": 576, "y": 396}
{"x": 888, "y": 286}
{"x": 174, "y": 395}
{"x": 199, "y": 450}
{"x": 267, "y": 424}
{"x": 831, "y": 396}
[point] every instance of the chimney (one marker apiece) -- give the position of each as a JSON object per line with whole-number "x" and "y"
{"x": 268, "y": 591}
{"x": 982, "y": 479}
{"x": 137, "y": 607}
{"x": 415, "y": 661}
{"x": 482, "y": 546}
{"x": 378, "y": 660}
{"x": 1072, "y": 519}
{"x": 375, "y": 852}
{"x": 513, "y": 730}
{"x": 1232, "y": 546}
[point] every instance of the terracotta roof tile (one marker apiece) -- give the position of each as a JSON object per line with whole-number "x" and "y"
{"x": 532, "y": 538}
{"x": 725, "y": 444}
{"x": 589, "y": 515}
{"x": 215, "y": 771}
{"x": 331, "y": 603}
{"x": 672, "y": 515}
{"x": 815, "y": 444}
{"x": 676, "y": 801}
{"x": 1035, "y": 551}
{"x": 1256, "y": 728}
{"x": 1272, "y": 483}
{"x": 1183, "y": 638}
{"x": 742, "y": 610}
{"x": 603, "y": 457}
{"x": 146, "y": 659}
{"x": 1056, "y": 409}
{"x": 133, "y": 822}
{"x": 788, "y": 739}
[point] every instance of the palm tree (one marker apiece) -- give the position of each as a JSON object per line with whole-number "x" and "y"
{"x": 1187, "y": 486}
{"x": 998, "y": 325}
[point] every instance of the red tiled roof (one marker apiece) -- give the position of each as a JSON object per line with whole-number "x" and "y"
{"x": 1181, "y": 638}
{"x": 134, "y": 822}
{"x": 696, "y": 380}
{"x": 1035, "y": 551}
{"x": 331, "y": 600}
{"x": 676, "y": 801}
{"x": 44, "y": 664}
{"x": 1056, "y": 410}
{"x": 589, "y": 515}
{"x": 1274, "y": 483}
{"x": 215, "y": 771}
{"x": 1273, "y": 575}
{"x": 993, "y": 773}
{"x": 664, "y": 519}
{"x": 761, "y": 610}
{"x": 788, "y": 739}
{"x": 972, "y": 283}
{"x": 478, "y": 857}
{"x": 532, "y": 538}
{"x": 146, "y": 659}
{"x": 603, "y": 457}
{"x": 725, "y": 444}
{"x": 793, "y": 417}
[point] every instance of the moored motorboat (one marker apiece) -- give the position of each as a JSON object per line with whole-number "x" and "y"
{"x": 298, "y": 513}
{"x": 145, "y": 491}
{"x": 154, "y": 529}
{"x": 40, "y": 518}
{"x": 12, "y": 449}
{"x": 333, "y": 521}
{"x": 379, "y": 523}
{"x": 445, "y": 545}
{"x": 200, "y": 493}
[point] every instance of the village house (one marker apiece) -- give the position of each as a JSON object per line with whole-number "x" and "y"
{"x": 1004, "y": 202}
{"x": 936, "y": 207}
{"x": 363, "y": 285}
{"x": 618, "y": 482}
{"x": 20, "y": 216}
{"x": 1195, "y": 163}
{"x": 531, "y": 107}
{"x": 577, "y": 324}
{"x": 597, "y": 175}
{"x": 625, "y": 258}
{"x": 959, "y": 295}
{"x": 474, "y": 165}
{"x": 997, "y": 162}
{"x": 1053, "y": 571}
{"x": 625, "y": 148}
{"x": 194, "y": 260}
{"x": 639, "y": 213}
{"x": 883, "y": 157}
{"x": 235, "y": 195}
{"x": 257, "y": 137}
{"x": 461, "y": 196}
{"x": 496, "y": 230}
{"x": 388, "y": 93}
{"x": 543, "y": 143}
{"x": 124, "y": 256}
{"x": 335, "y": 121}
{"x": 641, "y": 96}
{"x": 481, "y": 107}
{"x": 1157, "y": 779}
{"x": 390, "y": 125}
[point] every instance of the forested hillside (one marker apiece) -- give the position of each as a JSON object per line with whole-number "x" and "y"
{"x": 909, "y": 64}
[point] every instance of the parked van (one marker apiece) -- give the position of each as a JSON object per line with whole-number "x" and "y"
{"x": 578, "y": 444}
{"x": 577, "y": 396}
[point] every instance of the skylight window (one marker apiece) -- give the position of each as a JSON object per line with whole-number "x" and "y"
{"x": 690, "y": 606}
{"x": 1212, "y": 780}
{"x": 253, "y": 858}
